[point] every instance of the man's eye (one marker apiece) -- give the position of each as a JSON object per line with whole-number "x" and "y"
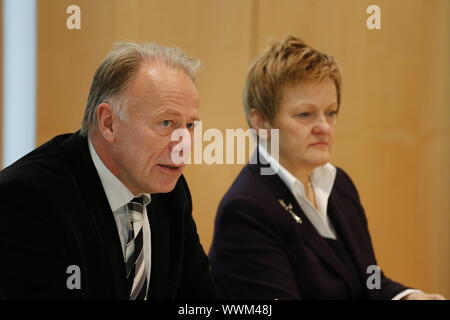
{"x": 166, "y": 123}
{"x": 190, "y": 125}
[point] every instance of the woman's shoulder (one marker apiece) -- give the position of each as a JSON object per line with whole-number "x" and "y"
{"x": 251, "y": 184}
{"x": 344, "y": 185}
{"x": 252, "y": 201}
{"x": 252, "y": 193}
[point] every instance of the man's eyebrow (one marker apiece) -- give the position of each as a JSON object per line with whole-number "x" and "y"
{"x": 168, "y": 112}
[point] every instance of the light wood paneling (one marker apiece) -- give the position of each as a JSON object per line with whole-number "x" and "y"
{"x": 217, "y": 32}
{"x": 67, "y": 60}
{"x": 393, "y": 130}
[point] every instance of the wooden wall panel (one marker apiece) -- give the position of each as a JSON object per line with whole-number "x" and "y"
{"x": 393, "y": 130}
{"x": 67, "y": 60}
{"x": 217, "y": 32}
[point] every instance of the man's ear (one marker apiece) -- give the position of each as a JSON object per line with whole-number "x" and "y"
{"x": 258, "y": 121}
{"x": 105, "y": 121}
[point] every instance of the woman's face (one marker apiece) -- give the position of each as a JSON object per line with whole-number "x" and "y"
{"x": 306, "y": 119}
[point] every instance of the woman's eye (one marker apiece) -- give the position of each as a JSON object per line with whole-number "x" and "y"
{"x": 166, "y": 123}
{"x": 332, "y": 113}
{"x": 304, "y": 115}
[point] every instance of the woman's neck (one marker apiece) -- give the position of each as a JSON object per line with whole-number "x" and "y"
{"x": 301, "y": 173}
{"x": 304, "y": 175}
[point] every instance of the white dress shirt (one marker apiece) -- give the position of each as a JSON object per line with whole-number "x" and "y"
{"x": 322, "y": 180}
{"x": 119, "y": 196}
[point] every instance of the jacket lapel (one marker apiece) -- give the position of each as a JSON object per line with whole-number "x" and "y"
{"x": 160, "y": 234}
{"x": 102, "y": 218}
{"x": 305, "y": 229}
{"x": 100, "y": 214}
{"x": 339, "y": 213}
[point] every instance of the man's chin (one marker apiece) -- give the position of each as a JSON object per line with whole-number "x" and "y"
{"x": 165, "y": 187}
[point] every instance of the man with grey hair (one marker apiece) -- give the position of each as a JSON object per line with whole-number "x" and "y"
{"x": 105, "y": 213}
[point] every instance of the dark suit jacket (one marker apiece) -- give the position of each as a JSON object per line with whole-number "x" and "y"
{"x": 54, "y": 213}
{"x": 260, "y": 252}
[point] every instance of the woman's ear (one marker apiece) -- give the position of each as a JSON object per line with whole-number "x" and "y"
{"x": 259, "y": 122}
{"x": 256, "y": 119}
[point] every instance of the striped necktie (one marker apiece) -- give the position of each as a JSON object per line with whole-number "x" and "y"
{"x": 134, "y": 253}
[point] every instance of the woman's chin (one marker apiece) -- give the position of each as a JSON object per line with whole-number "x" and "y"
{"x": 320, "y": 161}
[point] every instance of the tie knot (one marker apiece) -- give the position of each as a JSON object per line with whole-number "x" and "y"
{"x": 136, "y": 205}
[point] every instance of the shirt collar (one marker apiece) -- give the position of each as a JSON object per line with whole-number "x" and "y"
{"x": 116, "y": 192}
{"x": 322, "y": 178}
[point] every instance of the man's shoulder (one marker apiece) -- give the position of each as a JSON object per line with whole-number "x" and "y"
{"x": 46, "y": 166}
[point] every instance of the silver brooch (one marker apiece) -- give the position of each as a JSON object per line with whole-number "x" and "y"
{"x": 288, "y": 208}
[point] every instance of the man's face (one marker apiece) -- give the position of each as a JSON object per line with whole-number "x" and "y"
{"x": 160, "y": 100}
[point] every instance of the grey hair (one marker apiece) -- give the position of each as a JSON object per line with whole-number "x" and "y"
{"x": 117, "y": 71}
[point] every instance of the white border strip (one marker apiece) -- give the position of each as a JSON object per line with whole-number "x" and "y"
{"x": 19, "y": 78}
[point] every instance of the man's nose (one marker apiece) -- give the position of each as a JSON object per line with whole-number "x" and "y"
{"x": 181, "y": 136}
{"x": 180, "y": 145}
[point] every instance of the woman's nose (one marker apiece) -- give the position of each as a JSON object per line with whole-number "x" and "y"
{"x": 322, "y": 126}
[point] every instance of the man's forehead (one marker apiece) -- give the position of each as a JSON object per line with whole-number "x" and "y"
{"x": 176, "y": 111}
{"x": 155, "y": 78}
{"x": 159, "y": 71}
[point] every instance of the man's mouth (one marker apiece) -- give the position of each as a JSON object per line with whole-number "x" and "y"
{"x": 171, "y": 168}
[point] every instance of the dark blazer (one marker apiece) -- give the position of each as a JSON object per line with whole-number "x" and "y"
{"x": 260, "y": 252}
{"x": 54, "y": 213}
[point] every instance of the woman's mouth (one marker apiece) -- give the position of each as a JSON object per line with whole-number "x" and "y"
{"x": 319, "y": 144}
